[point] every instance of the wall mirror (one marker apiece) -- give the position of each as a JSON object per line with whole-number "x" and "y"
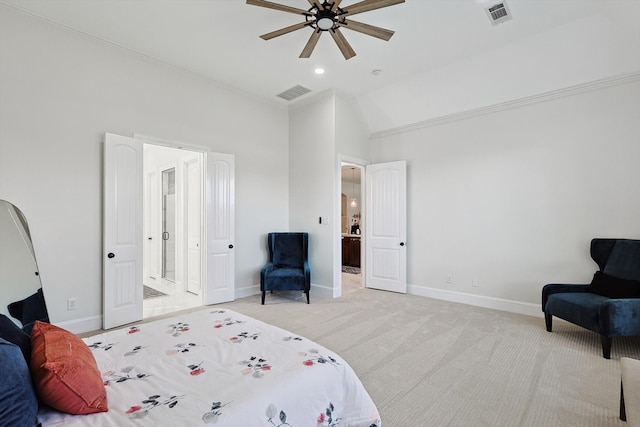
{"x": 19, "y": 275}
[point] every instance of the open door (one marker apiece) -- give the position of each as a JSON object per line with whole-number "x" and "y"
{"x": 123, "y": 230}
{"x": 122, "y": 234}
{"x": 219, "y": 207}
{"x": 386, "y": 226}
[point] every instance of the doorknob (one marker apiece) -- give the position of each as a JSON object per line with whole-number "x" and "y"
{"x": 230, "y": 246}
{"x": 110, "y": 255}
{"x": 401, "y": 243}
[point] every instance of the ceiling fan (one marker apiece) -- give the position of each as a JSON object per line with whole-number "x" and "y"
{"x": 328, "y": 16}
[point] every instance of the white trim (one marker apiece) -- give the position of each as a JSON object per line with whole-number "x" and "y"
{"x": 501, "y": 304}
{"x": 516, "y": 103}
{"x": 320, "y": 291}
{"x": 80, "y": 326}
{"x": 179, "y": 145}
{"x": 247, "y": 291}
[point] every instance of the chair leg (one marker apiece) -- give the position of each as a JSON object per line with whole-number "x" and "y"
{"x": 623, "y": 411}
{"x": 263, "y": 292}
{"x": 307, "y": 292}
{"x": 548, "y": 321}
{"x": 606, "y": 346}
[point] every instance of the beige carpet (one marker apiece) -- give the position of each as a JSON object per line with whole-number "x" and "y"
{"x": 432, "y": 363}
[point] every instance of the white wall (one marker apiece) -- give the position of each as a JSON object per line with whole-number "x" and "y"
{"x": 514, "y": 197}
{"x": 598, "y": 46}
{"x": 322, "y": 131}
{"x": 311, "y": 180}
{"x": 60, "y": 91}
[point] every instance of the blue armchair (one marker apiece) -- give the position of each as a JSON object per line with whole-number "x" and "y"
{"x": 288, "y": 267}
{"x": 610, "y": 304}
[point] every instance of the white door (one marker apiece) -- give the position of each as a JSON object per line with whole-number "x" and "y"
{"x": 219, "y": 208}
{"x": 386, "y": 226}
{"x": 193, "y": 224}
{"x": 122, "y": 234}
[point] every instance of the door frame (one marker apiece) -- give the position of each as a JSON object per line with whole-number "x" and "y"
{"x": 337, "y": 259}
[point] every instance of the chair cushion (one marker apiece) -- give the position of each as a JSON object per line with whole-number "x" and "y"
{"x": 581, "y": 308}
{"x": 613, "y": 287}
{"x": 64, "y": 371}
{"x": 285, "y": 279}
{"x": 19, "y": 403}
{"x": 12, "y": 333}
{"x": 287, "y": 250}
{"x": 624, "y": 260}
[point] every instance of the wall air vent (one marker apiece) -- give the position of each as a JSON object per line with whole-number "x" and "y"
{"x": 294, "y": 92}
{"x": 498, "y": 13}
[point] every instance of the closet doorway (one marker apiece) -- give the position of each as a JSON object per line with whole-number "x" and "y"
{"x": 173, "y": 229}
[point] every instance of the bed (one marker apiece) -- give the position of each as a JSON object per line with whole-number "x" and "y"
{"x": 217, "y": 366}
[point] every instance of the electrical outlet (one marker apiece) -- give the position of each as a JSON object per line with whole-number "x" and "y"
{"x": 475, "y": 282}
{"x": 449, "y": 279}
{"x": 71, "y": 304}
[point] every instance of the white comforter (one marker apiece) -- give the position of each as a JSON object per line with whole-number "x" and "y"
{"x": 222, "y": 368}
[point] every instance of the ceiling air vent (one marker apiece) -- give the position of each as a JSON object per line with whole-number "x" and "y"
{"x": 498, "y": 13}
{"x": 294, "y": 92}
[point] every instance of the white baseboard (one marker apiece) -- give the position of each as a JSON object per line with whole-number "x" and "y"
{"x": 79, "y": 326}
{"x": 501, "y": 304}
{"x": 247, "y": 291}
{"x": 94, "y": 323}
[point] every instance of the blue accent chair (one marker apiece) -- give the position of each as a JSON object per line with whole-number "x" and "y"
{"x": 610, "y": 305}
{"x": 288, "y": 267}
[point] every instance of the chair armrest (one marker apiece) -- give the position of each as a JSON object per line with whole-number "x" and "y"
{"x": 263, "y": 273}
{"x": 307, "y": 272}
{"x": 620, "y": 317}
{"x": 558, "y": 288}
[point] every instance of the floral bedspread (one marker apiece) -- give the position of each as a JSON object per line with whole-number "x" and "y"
{"x": 219, "y": 367}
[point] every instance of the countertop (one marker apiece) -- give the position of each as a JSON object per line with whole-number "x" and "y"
{"x": 357, "y": 236}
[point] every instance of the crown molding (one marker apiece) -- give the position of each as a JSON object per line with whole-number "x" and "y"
{"x": 516, "y": 103}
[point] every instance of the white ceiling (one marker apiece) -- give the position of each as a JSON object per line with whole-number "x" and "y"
{"x": 219, "y": 39}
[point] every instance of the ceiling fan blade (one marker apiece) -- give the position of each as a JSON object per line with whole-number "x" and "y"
{"x": 285, "y": 30}
{"x": 370, "y": 30}
{"x": 276, "y": 6}
{"x": 315, "y": 3}
{"x": 311, "y": 44}
{"x": 367, "y": 5}
{"x": 343, "y": 44}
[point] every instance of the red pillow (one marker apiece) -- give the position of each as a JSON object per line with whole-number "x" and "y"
{"x": 64, "y": 371}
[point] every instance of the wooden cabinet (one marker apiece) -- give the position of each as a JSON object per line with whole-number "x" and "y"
{"x": 351, "y": 251}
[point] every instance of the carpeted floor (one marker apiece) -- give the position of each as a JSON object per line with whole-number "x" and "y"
{"x": 149, "y": 292}
{"x": 433, "y": 363}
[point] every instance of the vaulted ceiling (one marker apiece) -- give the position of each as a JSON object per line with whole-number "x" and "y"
{"x": 445, "y": 56}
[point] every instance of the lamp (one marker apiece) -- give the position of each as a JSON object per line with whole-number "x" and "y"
{"x": 354, "y": 201}
{"x": 325, "y": 19}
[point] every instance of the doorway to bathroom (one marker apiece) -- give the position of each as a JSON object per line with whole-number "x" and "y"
{"x": 173, "y": 230}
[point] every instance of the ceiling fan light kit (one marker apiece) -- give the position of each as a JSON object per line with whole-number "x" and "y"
{"x": 329, "y": 17}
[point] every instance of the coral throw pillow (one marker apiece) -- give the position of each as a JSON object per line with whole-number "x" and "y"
{"x": 64, "y": 371}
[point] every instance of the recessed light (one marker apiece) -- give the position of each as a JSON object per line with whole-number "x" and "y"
{"x": 319, "y": 70}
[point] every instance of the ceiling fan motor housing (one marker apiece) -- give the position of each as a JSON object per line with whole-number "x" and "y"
{"x": 325, "y": 18}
